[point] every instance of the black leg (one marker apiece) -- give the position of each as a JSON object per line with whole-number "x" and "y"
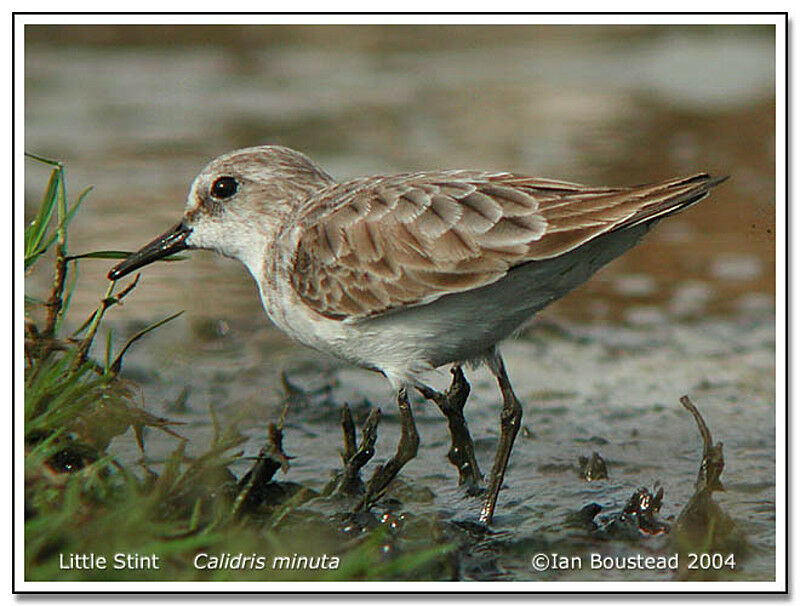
{"x": 510, "y": 421}
{"x": 462, "y": 451}
{"x": 406, "y": 450}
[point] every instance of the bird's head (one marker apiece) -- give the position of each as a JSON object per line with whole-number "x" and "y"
{"x": 235, "y": 205}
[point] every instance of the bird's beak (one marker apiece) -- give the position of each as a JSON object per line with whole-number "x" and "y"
{"x": 166, "y": 244}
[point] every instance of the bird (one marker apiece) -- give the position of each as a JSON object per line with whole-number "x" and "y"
{"x": 405, "y": 273}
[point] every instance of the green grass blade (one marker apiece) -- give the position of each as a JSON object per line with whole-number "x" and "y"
{"x": 63, "y": 224}
{"x": 85, "y": 324}
{"x": 61, "y": 195}
{"x": 109, "y": 338}
{"x": 43, "y": 160}
{"x": 117, "y": 364}
{"x": 37, "y": 228}
{"x": 29, "y": 300}
{"x": 73, "y": 280}
{"x": 117, "y": 254}
{"x": 101, "y": 254}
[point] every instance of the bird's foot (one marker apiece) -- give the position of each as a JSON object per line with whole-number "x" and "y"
{"x": 462, "y": 450}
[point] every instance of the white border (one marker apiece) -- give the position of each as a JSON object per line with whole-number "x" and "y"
{"x": 403, "y": 19}
{"x": 357, "y": 587}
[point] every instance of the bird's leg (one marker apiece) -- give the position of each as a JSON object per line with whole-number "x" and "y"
{"x": 462, "y": 451}
{"x": 510, "y": 421}
{"x": 406, "y": 450}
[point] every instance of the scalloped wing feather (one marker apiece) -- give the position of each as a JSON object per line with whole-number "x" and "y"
{"x": 371, "y": 246}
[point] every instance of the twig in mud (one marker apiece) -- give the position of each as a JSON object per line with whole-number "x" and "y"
{"x": 276, "y": 446}
{"x": 644, "y": 506}
{"x": 594, "y": 468}
{"x": 354, "y": 458}
{"x": 259, "y": 474}
{"x": 703, "y": 526}
{"x": 349, "y": 431}
{"x": 713, "y": 460}
{"x": 282, "y": 418}
{"x": 270, "y": 459}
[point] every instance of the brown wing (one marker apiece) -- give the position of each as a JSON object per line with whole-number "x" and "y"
{"x": 372, "y": 245}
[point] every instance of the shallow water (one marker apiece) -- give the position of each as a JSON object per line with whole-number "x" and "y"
{"x": 584, "y": 389}
{"x": 690, "y": 310}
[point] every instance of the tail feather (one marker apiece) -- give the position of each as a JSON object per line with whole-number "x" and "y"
{"x": 677, "y": 196}
{"x": 578, "y": 218}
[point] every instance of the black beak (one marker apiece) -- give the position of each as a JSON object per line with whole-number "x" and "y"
{"x": 166, "y": 244}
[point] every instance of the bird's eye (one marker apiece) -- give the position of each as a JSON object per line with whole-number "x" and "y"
{"x": 224, "y": 187}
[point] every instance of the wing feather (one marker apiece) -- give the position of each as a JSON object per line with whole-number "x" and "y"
{"x": 370, "y": 246}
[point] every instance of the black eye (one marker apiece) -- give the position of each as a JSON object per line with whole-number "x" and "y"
{"x": 224, "y": 187}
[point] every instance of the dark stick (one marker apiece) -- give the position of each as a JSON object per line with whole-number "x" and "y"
{"x": 713, "y": 460}
{"x": 270, "y": 459}
{"x": 355, "y": 458}
{"x": 349, "y": 432}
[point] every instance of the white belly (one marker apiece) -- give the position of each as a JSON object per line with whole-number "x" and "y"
{"x": 454, "y": 328}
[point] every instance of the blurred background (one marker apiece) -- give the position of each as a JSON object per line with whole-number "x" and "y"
{"x": 137, "y": 111}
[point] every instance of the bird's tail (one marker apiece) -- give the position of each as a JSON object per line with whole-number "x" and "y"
{"x": 670, "y": 197}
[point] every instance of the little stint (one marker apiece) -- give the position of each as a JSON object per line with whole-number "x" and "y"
{"x": 403, "y": 274}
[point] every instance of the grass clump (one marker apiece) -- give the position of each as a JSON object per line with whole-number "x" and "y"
{"x": 189, "y": 519}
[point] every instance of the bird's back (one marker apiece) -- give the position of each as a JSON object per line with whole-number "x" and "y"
{"x": 379, "y": 245}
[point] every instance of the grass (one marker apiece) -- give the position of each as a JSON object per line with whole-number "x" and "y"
{"x": 80, "y": 499}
